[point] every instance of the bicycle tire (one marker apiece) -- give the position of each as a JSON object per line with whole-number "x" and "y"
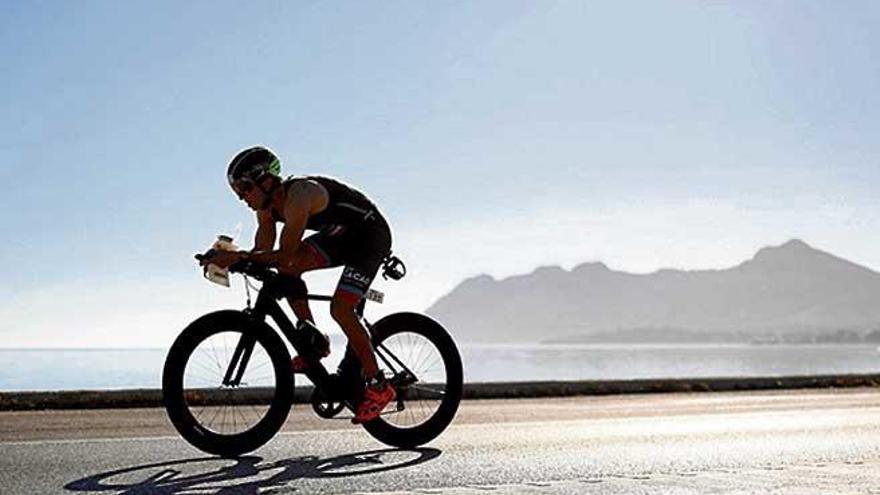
{"x": 175, "y": 396}
{"x": 383, "y": 428}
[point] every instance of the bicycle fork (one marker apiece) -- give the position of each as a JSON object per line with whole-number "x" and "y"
{"x": 239, "y": 360}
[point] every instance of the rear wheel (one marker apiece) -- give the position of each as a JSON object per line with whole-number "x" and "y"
{"x": 421, "y": 361}
{"x": 227, "y": 384}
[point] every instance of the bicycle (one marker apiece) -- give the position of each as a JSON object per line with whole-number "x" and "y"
{"x": 228, "y": 386}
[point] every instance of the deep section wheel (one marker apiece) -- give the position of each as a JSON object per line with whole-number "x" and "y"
{"x": 422, "y": 362}
{"x": 227, "y": 383}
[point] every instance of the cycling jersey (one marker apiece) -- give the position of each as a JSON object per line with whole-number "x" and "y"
{"x": 345, "y": 205}
{"x": 350, "y": 232}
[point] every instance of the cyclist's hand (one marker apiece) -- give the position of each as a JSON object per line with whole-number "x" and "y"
{"x": 225, "y": 258}
{"x": 205, "y": 258}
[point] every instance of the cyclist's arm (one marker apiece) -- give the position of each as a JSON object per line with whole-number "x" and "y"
{"x": 305, "y": 198}
{"x": 264, "y": 240}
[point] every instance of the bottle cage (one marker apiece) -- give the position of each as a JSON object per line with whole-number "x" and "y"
{"x": 393, "y": 268}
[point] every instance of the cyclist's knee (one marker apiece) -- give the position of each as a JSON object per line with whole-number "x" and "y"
{"x": 342, "y": 308}
{"x": 293, "y": 286}
{"x": 293, "y": 269}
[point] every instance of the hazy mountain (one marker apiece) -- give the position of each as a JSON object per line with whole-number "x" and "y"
{"x": 792, "y": 290}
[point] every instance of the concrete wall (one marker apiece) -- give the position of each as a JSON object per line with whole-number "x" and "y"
{"x": 498, "y": 390}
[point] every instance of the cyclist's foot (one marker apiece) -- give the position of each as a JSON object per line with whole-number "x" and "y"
{"x": 300, "y": 364}
{"x": 376, "y": 396}
{"x": 321, "y": 345}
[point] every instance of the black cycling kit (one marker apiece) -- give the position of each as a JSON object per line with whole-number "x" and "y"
{"x": 350, "y": 232}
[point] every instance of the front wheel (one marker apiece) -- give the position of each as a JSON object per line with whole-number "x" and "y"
{"x": 422, "y": 362}
{"x": 227, "y": 384}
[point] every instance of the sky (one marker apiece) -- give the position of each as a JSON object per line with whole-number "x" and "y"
{"x": 496, "y": 137}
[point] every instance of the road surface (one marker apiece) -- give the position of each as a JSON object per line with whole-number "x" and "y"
{"x": 799, "y": 442}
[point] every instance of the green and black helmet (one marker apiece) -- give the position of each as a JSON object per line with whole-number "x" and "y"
{"x": 252, "y": 164}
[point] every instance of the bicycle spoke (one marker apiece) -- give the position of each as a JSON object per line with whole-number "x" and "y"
{"x": 211, "y": 422}
{"x": 255, "y": 368}
{"x": 244, "y": 421}
{"x": 257, "y": 413}
{"x": 428, "y": 355}
{"x": 210, "y": 362}
{"x": 216, "y": 359}
{"x": 421, "y": 358}
{"x": 232, "y": 414}
{"x": 207, "y": 369}
{"x": 259, "y": 379}
{"x": 221, "y": 409}
{"x": 437, "y": 358}
{"x": 190, "y": 376}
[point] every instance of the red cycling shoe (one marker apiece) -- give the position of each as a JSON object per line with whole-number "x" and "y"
{"x": 376, "y": 397}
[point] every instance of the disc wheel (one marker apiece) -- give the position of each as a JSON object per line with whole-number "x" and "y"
{"x": 213, "y": 413}
{"x": 422, "y": 362}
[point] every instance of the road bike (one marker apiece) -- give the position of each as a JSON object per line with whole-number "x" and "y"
{"x": 228, "y": 385}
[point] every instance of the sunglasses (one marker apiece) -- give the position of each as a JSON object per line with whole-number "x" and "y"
{"x": 243, "y": 187}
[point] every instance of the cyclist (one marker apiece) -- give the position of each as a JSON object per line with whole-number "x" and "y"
{"x": 350, "y": 232}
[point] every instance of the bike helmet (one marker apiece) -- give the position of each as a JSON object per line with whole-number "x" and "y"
{"x": 252, "y": 164}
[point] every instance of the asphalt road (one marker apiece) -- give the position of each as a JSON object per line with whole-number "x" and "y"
{"x": 799, "y": 442}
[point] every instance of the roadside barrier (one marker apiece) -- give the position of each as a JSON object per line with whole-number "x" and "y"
{"x": 108, "y": 399}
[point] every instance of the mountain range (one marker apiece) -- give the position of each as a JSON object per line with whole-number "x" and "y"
{"x": 787, "y": 293}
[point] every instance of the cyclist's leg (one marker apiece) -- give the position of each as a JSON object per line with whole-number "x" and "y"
{"x": 343, "y": 309}
{"x": 352, "y": 286}
{"x": 309, "y": 256}
{"x": 361, "y": 250}
{"x": 364, "y": 255}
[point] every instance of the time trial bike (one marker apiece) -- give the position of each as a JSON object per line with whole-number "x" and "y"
{"x": 228, "y": 385}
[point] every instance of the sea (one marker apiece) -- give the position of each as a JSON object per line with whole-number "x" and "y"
{"x": 109, "y": 369}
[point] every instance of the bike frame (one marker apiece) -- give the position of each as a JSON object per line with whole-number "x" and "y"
{"x": 267, "y": 305}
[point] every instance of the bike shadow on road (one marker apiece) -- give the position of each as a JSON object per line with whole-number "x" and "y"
{"x": 245, "y": 475}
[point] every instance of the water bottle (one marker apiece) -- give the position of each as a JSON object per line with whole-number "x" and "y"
{"x": 224, "y": 243}
{"x": 213, "y": 272}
